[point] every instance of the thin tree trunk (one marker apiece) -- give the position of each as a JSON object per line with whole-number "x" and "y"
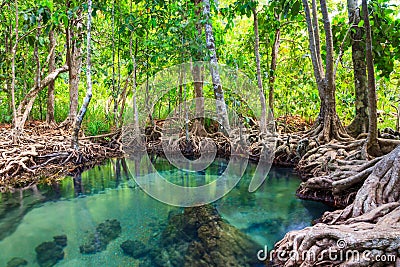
{"x": 197, "y": 73}
{"x": 74, "y": 60}
{"x": 134, "y": 85}
{"x": 360, "y": 123}
{"x": 398, "y": 118}
{"x": 263, "y": 119}
{"x": 317, "y": 36}
{"x": 216, "y": 79}
{"x": 197, "y": 70}
{"x": 37, "y": 59}
{"x": 373, "y": 146}
{"x": 14, "y": 54}
{"x": 26, "y": 104}
{"x": 272, "y": 74}
{"x": 327, "y": 125}
{"x": 88, "y": 97}
{"x": 123, "y": 101}
{"x": 50, "y": 88}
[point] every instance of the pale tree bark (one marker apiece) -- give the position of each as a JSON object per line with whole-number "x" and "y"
{"x": 263, "y": 119}
{"x": 272, "y": 70}
{"x": 360, "y": 123}
{"x": 88, "y": 97}
{"x": 327, "y": 125}
{"x": 14, "y": 54}
{"x": 216, "y": 79}
{"x": 50, "y": 88}
{"x": 373, "y": 145}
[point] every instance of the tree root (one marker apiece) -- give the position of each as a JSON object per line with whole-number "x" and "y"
{"x": 370, "y": 224}
{"x": 42, "y": 150}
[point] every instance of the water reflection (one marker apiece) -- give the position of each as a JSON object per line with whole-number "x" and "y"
{"x": 75, "y": 205}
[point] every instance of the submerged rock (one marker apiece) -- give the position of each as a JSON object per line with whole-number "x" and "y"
{"x": 135, "y": 249}
{"x": 60, "y": 240}
{"x": 49, "y": 253}
{"x": 104, "y": 234}
{"x": 200, "y": 237}
{"x": 17, "y": 262}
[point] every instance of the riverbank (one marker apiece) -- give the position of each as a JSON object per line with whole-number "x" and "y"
{"x": 43, "y": 153}
{"x": 342, "y": 174}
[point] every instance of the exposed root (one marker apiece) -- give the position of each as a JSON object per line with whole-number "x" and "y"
{"x": 370, "y": 224}
{"x": 42, "y": 150}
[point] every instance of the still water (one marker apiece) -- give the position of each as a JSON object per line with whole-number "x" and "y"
{"x": 76, "y": 205}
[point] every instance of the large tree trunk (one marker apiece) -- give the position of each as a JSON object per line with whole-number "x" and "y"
{"x": 360, "y": 123}
{"x": 272, "y": 70}
{"x": 216, "y": 79}
{"x": 373, "y": 145}
{"x": 50, "y": 88}
{"x": 88, "y": 97}
{"x": 263, "y": 119}
{"x": 327, "y": 125}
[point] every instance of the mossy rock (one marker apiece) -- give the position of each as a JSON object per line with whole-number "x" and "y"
{"x": 49, "y": 253}
{"x": 104, "y": 234}
{"x": 17, "y": 262}
{"x": 134, "y": 248}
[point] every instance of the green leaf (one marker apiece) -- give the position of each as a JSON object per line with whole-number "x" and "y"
{"x": 361, "y": 24}
{"x": 296, "y": 8}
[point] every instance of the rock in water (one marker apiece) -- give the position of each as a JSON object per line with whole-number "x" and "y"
{"x": 49, "y": 253}
{"x": 104, "y": 234}
{"x": 61, "y": 240}
{"x": 17, "y": 262}
{"x": 200, "y": 237}
{"x": 135, "y": 249}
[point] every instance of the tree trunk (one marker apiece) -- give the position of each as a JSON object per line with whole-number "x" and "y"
{"x": 398, "y": 118}
{"x": 197, "y": 70}
{"x": 14, "y": 54}
{"x": 50, "y": 88}
{"x": 26, "y": 104}
{"x": 327, "y": 125}
{"x": 74, "y": 61}
{"x": 122, "y": 100}
{"x": 360, "y": 123}
{"x": 88, "y": 97}
{"x": 272, "y": 75}
{"x": 372, "y": 146}
{"x": 263, "y": 119}
{"x": 216, "y": 79}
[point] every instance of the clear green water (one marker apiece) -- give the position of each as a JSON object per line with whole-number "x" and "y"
{"x": 75, "y": 206}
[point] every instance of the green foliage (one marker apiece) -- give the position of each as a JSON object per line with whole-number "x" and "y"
{"x": 158, "y": 34}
